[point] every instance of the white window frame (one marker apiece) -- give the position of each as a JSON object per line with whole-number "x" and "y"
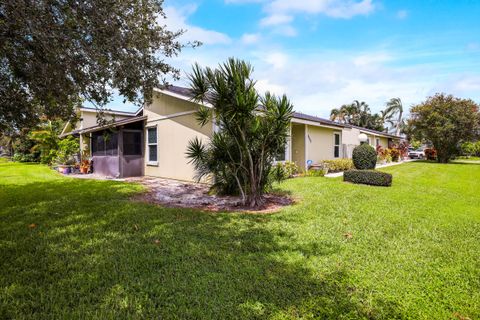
{"x": 147, "y": 144}
{"x": 339, "y": 144}
{"x": 377, "y": 142}
{"x": 288, "y": 146}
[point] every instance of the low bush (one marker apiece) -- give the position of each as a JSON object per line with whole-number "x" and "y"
{"x": 469, "y": 148}
{"x": 338, "y": 165}
{"x": 430, "y": 154}
{"x": 364, "y": 157}
{"x": 283, "y": 170}
{"x": 389, "y": 154}
{"x": 67, "y": 148}
{"x": 369, "y": 177}
{"x": 315, "y": 173}
{"x": 395, "y": 153}
{"x": 22, "y": 157}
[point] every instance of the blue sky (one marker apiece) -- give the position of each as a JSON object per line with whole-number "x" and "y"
{"x": 325, "y": 53}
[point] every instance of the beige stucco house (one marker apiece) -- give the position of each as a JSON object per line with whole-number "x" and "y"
{"x": 153, "y": 140}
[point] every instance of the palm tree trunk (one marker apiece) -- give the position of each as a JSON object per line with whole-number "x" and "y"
{"x": 399, "y": 122}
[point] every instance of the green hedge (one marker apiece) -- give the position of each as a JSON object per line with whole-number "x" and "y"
{"x": 337, "y": 165}
{"x": 364, "y": 157}
{"x": 370, "y": 177}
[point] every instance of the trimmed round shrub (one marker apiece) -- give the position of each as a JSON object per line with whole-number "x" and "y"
{"x": 370, "y": 177}
{"x": 364, "y": 157}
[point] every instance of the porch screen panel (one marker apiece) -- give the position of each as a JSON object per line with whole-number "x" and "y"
{"x": 104, "y": 144}
{"x": 111, "y": 144}
{"x": 98, "y": 145}
{"x": 132, "y": 143}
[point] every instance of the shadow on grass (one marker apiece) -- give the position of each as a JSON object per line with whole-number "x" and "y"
{"x": 76, "y": 249}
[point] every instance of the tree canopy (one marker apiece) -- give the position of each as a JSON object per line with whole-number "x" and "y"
{"x": 446, "y": 122}
{"x": 251, "y": 130}
{"x": 358, "y": 114}
{"x": 56, "y": 54}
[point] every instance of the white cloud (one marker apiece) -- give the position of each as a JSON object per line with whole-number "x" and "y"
{"x": 465, "y": 85}
{"x": 369, "y": 59}
{"x": 277, "y": 60}
{"x": 402, "y": 14}
{"x": 316, "y": 83}
{"x": 264, "y": 85}
{"x": 286, "y": 30}
{"x": 177, "y": 19}
{"x": 250, "y": 38}
{"x": 332, "y": 8}
{"x": 281, "y": 13}
{"x": 276, "y": 19}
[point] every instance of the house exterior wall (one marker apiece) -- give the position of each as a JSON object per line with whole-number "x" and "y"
{"x": 89, "y": 119}
{"x": 173, "y": 136}
{"x": 383, "y": 142}
{"x": 350, "y": 136}
{"x": 85, "y": 145}
{"x": 298, "y": 145}
{"x": 320, "y": 143}
{"x": 350, "y": 140}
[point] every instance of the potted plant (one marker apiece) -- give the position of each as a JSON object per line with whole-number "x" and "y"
{"x": 67, "y": 148}
{"x": 84, "y": 166}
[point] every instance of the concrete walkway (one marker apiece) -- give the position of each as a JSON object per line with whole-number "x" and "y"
{"x": 340, "y": 174}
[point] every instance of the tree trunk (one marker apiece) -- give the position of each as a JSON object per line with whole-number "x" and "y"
{"x": 255, "y": 199}
{"x": 442, "y": 157}
{"x": 399, "y": 123}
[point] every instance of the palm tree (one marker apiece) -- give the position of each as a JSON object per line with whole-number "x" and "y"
{"x": 360, "y": 113}
{"x": 252, "y": 130}
{"x": 337, "y": 115}
{"x": 387, "y": 117}
{"x": 395, "y": 107}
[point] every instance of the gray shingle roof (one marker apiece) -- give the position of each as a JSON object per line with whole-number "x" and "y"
{"x": 179, "y": 90}
{"x": 308, "y": 117}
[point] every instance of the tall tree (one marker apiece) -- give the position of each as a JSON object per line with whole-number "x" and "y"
{"x": 357, "y": 114}
{"x": 337, "y": 115}
{"x": 251, "y": 130}
{"x": 46, "y": 138}
{"x": 55, "y": 54}
{"x": 394, "y": 108}
{"x": 446, "y": 122}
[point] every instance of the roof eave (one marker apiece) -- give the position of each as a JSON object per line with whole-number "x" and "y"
{"x": 110, "y": 125}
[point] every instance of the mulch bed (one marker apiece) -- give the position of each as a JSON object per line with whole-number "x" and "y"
{"x": 179, "y": 194}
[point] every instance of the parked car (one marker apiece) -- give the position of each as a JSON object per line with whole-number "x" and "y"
{"x": 416, "y": 154}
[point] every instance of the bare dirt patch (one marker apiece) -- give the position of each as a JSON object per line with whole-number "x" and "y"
{"x": 179, "y": 194}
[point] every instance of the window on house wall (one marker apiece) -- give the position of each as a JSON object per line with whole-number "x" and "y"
{"x": 132, "y": 143}
{"x": 280, "y": 156}
{"x": 336, "y": 145}
{"x": 152, "y": 144}
{"x": 104, "y": 143}
{"x": 377, "y": 142}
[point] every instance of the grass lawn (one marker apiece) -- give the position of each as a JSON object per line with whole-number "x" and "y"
{"x": 465, "y": 159}
{"x": 80, "y": 249}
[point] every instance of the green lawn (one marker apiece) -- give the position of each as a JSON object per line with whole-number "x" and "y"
{"x": 469, "y": 159}
{"x": 344, "y": 251}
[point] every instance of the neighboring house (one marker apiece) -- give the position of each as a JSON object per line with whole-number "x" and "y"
{"x": 153, "y": 140}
